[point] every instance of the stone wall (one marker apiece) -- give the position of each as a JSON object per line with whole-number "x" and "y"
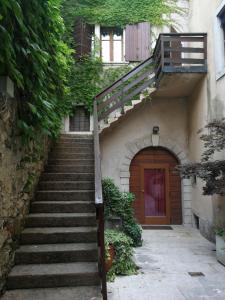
{"x": 20, "y": 168}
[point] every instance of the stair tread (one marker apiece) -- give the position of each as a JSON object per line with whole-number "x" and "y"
{"x": 65, "y": 191}
{"x": 66, "y": 181}
{"x": 62, "y": 202}
{"x": 56, "y": 247}
{"x": 60, "y": 215}
{"x": 49, "y": 230}
{"x": 54, "y": 269}
{"x": 68, "y": 293}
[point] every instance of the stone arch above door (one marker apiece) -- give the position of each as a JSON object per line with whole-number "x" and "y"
{"x": 137, "y": 145}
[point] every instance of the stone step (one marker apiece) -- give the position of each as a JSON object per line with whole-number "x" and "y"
{"x": 56, "y": 253}
{"x": 65, "y": 185}
{"x": 75, "y": 144}
{"x": 74, "y": 149}
{"x": 67, "y": 293}
{"x": 71, "y": 162}
{"x": 76, "y": 136}
{"x": 59, "y": 235}
{"x": 60, "y": 220}
{"x": 69, "y": 169}
{"x": 67, "y": 176}
{"x": 62, "y": 155}
{"x": 78, "y": 195}
{"x": 62, "y": 207}
{"x": 53, "y": 275}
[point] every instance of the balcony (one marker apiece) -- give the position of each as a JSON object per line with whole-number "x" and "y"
{"x": 180, "y": 63}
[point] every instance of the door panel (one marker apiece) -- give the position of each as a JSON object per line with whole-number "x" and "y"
{"x": 155, "y": 192}
{"x": 156, "y": 158}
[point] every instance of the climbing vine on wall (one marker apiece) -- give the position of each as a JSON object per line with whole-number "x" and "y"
{"x": 34, "y": 56}
{"x": 120, "y": 12}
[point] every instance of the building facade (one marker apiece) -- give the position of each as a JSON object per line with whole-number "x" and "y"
{"x": 141, "y": 148}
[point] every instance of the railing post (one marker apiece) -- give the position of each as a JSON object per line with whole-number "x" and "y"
{"x": 99, "y": 203}
{"x": 162, "y": 52}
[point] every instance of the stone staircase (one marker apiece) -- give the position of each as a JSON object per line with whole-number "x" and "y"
{"x": 58, "y": 247}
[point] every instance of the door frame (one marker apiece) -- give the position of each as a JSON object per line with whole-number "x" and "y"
{"x": 156, "y": 220}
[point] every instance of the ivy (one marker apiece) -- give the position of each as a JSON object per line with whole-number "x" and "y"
{"x": 120, "y": 12}
{"x": 34, "y": 56}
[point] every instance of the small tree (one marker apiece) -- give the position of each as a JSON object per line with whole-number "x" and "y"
{"x": 210, "y": 170}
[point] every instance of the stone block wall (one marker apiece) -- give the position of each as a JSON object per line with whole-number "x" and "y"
{"x": 20, "y": 168}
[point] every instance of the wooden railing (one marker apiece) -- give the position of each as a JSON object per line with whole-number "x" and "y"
{"x": 99, "y": 206}
{"x": 125, "y": 89}
{"x": 180, "y": 52}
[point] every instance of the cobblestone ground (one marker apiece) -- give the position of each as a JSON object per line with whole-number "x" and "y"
{"x": 166, "y": 258}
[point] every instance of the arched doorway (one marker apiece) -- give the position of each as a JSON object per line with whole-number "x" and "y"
{"x": 157, "y": 187}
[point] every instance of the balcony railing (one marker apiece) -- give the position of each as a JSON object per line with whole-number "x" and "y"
{"x": 180, "y": 53}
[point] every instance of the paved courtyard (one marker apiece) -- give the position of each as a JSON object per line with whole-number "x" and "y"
{"x": 165, "y": 260}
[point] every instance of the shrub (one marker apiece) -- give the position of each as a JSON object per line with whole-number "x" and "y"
{"x": 120, "y": 204}
{"x": 122, "y": 263}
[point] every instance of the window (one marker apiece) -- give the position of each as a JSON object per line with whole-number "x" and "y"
{"x": 80, "y": 121}
{"x": 112, "y": 44}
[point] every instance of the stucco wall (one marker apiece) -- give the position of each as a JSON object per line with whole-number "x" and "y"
{"x": 120, "y": 145}
{"x": 206, "y": 103}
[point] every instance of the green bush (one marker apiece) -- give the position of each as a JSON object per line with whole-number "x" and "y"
{"x": 122, "y": 263}
{"x": 120, "y": 204}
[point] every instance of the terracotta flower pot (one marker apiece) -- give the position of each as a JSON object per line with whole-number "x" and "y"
{"x": 109, "y": 260}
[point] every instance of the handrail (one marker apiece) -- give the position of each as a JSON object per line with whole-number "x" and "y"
{"x": 99, "y": 205}
{"x": 123, "y": 78}
{"x": 128, "y": 86}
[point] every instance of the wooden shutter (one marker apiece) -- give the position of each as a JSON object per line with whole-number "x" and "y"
{"x": 137, "y": 42}
{"x": 82, "y": 38}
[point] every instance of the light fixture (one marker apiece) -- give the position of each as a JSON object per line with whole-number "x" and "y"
{"x": 155, "y": 136}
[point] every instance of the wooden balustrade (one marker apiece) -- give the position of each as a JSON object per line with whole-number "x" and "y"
{"x": 180, "y": 53}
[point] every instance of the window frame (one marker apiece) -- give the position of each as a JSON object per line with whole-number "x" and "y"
{"x": 111, "y": 46}
{"x": 219, "y": 42}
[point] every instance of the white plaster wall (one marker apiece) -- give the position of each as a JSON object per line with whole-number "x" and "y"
{"x": 207, "y": 102}
{"x": 120, "y": 145}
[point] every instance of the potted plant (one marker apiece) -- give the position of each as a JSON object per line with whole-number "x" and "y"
{"x": 220, "y": 245}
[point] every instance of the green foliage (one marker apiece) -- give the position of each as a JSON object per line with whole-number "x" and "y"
{"x": 110, "y": 75}
{"x": 34, "y": 56}
{"x": 120, "y": 204}
{"x": 122, "y": 263}
{"x": 84, "y": 81}
{"x": 120, "y": 12}
{"x": 220, "y": 231}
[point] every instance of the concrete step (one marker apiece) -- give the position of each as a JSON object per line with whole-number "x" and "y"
{"x": 75, "y": 143}
{"x": 62, "y": 155}
{"x": 60, "y": 235}
{"x": 67, "y": 176}
{"x": 76, "y": 136}
{"x": 60, "y": 220}
{"x": 56, "y": 253}
{"x": 62, "y": 207}
{"x": 67, "y": 293}
{"x": 78, "y": 195}
{"x": 53, "y": 275}
{"x": 69, "y": 169}
{"x": 88, "y": 149}
{"x": 71, "y": 162}
{"x": 65, "y": 185}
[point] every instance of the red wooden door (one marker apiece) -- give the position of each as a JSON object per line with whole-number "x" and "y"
{"x": 155, "y": 198}
{"x": 157, "y": 187}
